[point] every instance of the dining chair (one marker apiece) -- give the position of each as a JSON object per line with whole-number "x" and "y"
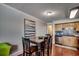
{"x": 28, "y": 49}
{"x": 47, "y": 45}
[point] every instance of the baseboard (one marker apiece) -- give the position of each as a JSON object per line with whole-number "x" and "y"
{"x": 66, "y": 47}
{"x": 16, "y": 53}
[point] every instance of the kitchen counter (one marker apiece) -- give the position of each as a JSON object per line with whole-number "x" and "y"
{"x": 69, "y": 35}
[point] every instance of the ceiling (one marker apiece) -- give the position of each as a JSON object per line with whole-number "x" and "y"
{"x": 37, "y": 9}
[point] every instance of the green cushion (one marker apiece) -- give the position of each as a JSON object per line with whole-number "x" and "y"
{"x": 4, "y": 49}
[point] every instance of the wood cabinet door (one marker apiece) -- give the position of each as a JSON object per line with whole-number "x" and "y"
{"x": 65, "y": 25}
{"x": 73, "y": 41}
{"x": 77, "y": 26}
{"x": 70, "y": 41}
{"x": 72, "y": 25}
{"x": 65, "y": 40}
{"x": 58, "y": 27}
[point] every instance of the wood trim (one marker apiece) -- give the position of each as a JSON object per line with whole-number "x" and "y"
{"x": 66, "y": 22}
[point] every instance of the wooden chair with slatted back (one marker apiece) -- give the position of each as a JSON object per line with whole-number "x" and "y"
{"x": 47, "y": 45}
{"x": 28, "y": 50}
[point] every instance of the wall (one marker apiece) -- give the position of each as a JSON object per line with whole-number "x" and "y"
{"x": 50, "y": 28}
{"x": 12, "y": 25}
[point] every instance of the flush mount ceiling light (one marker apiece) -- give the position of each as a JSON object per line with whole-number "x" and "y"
{"x": 73, "y": 12}
{"x": 49, "y": 13}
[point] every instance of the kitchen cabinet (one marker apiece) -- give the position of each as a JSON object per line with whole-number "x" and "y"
{"x": 71, "y": 24}
{"x": 65, "y": 41}
{"x": 77, "y": 26}
{"x": 78, "y": 42}
{"x": 59, "y": 40}
{"x": 58, "y": 27}
{"x": 66, "y": 25}
{"x": 70, "y": 41}
{"x": 69, "y": 37}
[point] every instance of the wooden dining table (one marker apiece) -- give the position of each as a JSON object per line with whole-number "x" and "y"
{"x": 38, "y": 43}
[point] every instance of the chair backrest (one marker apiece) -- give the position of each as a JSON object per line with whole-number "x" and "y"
{"x": 48, "y": 38}
{"x": 26, "y": 43}
{"x": 26, "y": 46}
{"x": 48, "y": 43}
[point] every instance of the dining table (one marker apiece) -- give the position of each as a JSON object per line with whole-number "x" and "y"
{"x": 38, "y": 44}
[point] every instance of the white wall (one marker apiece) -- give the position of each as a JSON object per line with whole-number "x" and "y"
{"x": 12, "y": 25}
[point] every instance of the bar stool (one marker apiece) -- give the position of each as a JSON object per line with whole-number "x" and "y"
{"x": 28, "y": 49}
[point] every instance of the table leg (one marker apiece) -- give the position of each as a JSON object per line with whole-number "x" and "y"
{"x": 39, "y": 49}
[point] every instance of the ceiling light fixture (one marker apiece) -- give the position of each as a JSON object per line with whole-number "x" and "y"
{"x": 73, "y": 12}
{"x": 49, "y": 13}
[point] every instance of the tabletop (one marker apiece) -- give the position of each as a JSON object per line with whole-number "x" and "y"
{"x": 38, "y": 40}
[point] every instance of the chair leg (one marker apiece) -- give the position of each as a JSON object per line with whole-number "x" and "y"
{"x": 48, "y": 51}
{"x": 24, "y": 53}
{"x": 43, "y": 52}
